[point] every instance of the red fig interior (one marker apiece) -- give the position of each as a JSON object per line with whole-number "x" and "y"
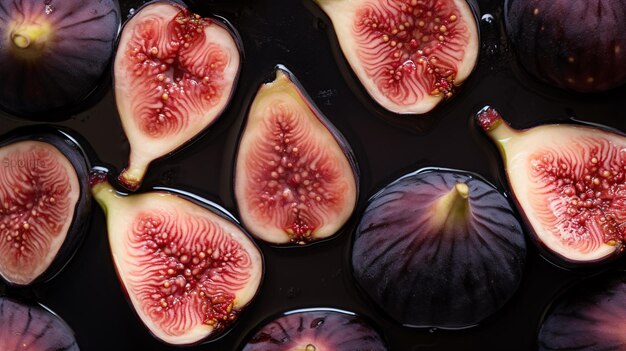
{"x": 188, "y": 271}
{"x": 39, "y": 189}
{"x": 174, "y": 74}
{"x": 294, "y": 181}
{"x": 408, "y": 54}
{"x": 569, "y": 182}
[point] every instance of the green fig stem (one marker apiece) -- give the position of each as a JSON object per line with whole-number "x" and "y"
{"x": 102, "y": 191}
{"x": 452, "y": 208}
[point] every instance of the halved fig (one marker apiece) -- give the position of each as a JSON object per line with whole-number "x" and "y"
{"x": 54, "y": 53}
{"x": 572, "y": 44}
{"x": 569, "y": 182}
{"x": 316, "y": 330}
{"x": 590, "y": 317}
{"x": 439, "y": 248}
{"x": 295, "y": 176}
{"x": 44, "y": 203}
{"x": 408, "y": 54}
{"x": 32, "y": 328}
{"x": 174, "y": 75}
{"x": 187, "y": 267}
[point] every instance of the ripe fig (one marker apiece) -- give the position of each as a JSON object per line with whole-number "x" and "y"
{"x": 408, "y": 54}
{"x": 568, "y": 181}
{"x": 439, "y": 248}
{"x": 295, "y": 176}
{"x": 44, "y": 203}
{"x": 187, "y": 267}
{"x": 174, "y": 75}
{"x": 32, "y": 328}
{"x": 572, "y": 44}
{"x": 316, "y": 329}
{"x": 590, "y": 317}
{"x": 54, "y": 53}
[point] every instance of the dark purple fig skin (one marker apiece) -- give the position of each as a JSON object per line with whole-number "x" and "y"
{"x": 572, "y": 44}
{"x": 78, "y": 153}
{"x": 72, "y": 62}
{"x": 32, "y": 328}
{"x": 589, "y": 317}
{"x": 424, "y": 275}
{"x": 317, "y": 329}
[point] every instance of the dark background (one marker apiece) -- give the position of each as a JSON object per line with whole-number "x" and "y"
{"x": 297, "y": 34}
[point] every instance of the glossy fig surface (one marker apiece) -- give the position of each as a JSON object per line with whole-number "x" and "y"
{"x": 439, "y": 248}
{"x": 316, "y": 329}
{"x": 44, "y": 203}
{"x": 32, "y": 328}
{"x": 570, "y": 185}
{"x": 587, "y": 318}
{"x": 295, "y": 176}
{"x": 188, "y": 269}
{"x": 174, "y": 74}
{"x": 572, "y": 44}
{"x": 54, "y": 53}
{"x": 408, "y": 55}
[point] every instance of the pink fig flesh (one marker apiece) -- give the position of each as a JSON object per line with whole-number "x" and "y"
{"x": 570, "y": 183}
{"x": 294, "y": 182}
{"x": 174, "y": 74}
{"x": 409, "y": 55}
{"x": 188, "y": 271}
{"x": 39, "y": 189}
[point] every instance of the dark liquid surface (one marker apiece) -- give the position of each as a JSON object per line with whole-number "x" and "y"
{"x": 87, "y": 294}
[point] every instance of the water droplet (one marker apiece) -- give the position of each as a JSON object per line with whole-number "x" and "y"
{"x": 487, "y": 18}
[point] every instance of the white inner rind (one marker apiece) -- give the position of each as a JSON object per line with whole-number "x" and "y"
{"x": 25, "y": 275}
{"x": 324, "y": 147}
{"x": 343, "y": 16}
{"x": 121, "y": 215}
{"x": 145, "y": 148}
{"x": 518, "y": 152}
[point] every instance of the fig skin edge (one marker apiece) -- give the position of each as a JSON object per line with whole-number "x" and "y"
{"x": 125, "y": 208}
{"x": 508, "y": 139}
{"x": 291, "y": 93}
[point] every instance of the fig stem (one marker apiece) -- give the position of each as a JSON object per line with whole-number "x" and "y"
{"x": 132, "y": 177}
{"x": 495, "y": 126}
{"x": 24, "y": 37}
{"x": 105, "y": 194}
{"x": 452, "y": 208}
